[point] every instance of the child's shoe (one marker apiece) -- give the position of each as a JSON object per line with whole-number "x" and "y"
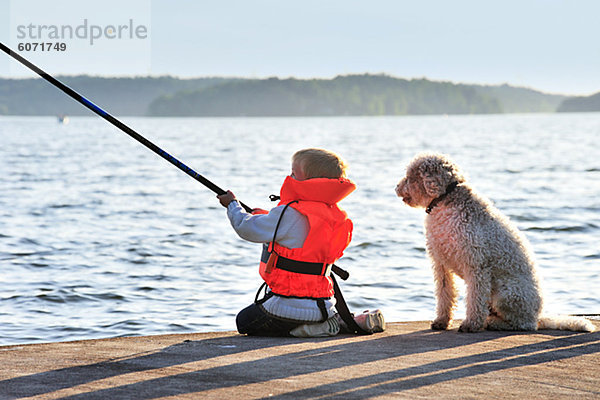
{"x": 331, "y": 327}
{"x": 371, "y": 321}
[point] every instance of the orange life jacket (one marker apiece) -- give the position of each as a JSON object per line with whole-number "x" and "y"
{"x": 304, "y": 272}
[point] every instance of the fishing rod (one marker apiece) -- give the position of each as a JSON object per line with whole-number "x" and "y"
{"x": 93, "y": 107}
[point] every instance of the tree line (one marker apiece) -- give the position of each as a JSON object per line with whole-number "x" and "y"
{"x": 216, "y": 96}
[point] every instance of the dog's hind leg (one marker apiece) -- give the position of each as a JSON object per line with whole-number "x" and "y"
{"x": 496, "y": 323}
{"x": 514, "y": 312}
{"x": 446, "y": 295}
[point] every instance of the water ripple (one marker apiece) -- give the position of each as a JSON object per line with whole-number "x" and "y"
{"x": 563, "y": 228}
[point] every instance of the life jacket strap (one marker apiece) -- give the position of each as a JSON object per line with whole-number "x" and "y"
{"x": 299, "y": 267}
{"x": 344, "y": 312}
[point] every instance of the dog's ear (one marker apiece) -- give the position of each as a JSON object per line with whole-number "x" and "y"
{"x": 437, "y": 173}
{"x": 435, "y": 184}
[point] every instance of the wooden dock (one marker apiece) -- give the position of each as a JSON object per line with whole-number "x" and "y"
{"x": 407, "y": 361}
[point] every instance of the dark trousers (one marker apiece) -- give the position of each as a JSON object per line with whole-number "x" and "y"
{"x": 255, "y": 321}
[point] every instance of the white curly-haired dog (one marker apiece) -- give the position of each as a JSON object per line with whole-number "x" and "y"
{"x": 467, "y": 236}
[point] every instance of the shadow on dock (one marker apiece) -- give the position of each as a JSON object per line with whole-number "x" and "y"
{"x": 406, "y": 360}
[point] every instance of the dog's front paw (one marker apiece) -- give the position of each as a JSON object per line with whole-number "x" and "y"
{"x": 440, "y": 324}
{"x": 468, "y": 326}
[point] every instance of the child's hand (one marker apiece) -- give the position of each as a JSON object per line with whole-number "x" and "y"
{"x": 226, "y": 198}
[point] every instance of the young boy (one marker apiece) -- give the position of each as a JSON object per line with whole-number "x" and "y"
{"x": 302, "y": 237}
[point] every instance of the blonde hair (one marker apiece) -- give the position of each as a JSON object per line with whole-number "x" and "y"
{"x": 320, "y": 163}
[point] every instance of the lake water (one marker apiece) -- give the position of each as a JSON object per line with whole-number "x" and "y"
{"x": 99, "y": 237}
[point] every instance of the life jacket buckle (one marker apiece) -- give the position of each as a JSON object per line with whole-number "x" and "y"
{"x": 271, "y": 262}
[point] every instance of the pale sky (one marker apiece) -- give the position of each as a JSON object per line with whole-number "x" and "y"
{"x": 548, "y": 45}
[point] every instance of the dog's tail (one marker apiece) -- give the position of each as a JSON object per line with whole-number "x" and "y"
{"x": 566, "y": 323}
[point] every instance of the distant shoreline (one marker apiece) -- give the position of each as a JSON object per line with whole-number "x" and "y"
{"x": 348, "y": 95}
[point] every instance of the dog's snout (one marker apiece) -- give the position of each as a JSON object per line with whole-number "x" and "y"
{"x": 400, "y": 187}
